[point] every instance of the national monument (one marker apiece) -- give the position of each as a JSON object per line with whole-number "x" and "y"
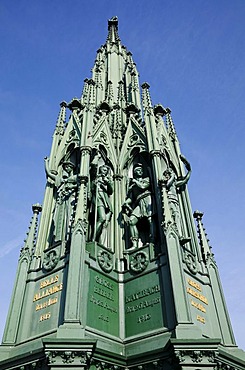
{"x": 118, "y": 273}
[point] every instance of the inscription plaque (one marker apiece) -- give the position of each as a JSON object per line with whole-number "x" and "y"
{"x": 198, "y": 300}
{"x": 41, "y": 306}
{"x": 143, "y": 308}
{"x": 103, "y": 308}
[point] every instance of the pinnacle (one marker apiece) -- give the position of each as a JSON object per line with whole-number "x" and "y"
{"x": 160, "y": 110}
{"x": 113, "y": 21}
{"x": 36, "y": 208}
{"x": 145, "y": 85}
{"x": 63, "y": 104}
{"x": 115, "y": 76}
{"x": 198, "y": 215}
{"x": 113, "y": 30}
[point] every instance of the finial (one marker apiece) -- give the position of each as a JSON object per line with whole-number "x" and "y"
{"x": 84, "y": 96}
{"x": 170, "y": 125}
{"x": 113, "y": 22}
{"x": 113, "y": 28}
{"x": 145, "y": 85}
{"x": 159, "y": 110}
{"x": 198, "y": 215}
{"x": 132, "y": 109}
{"x": 74, "y": 104}
{"x": 121, "y": 93}
{"x": 36, "y": 208}
{"x": 109, "y": 93}
{"x": 60, "y": 125}
{"x": 63, "y": 104}
{"x": 203, "y": 239}
{"x": 146, "y": 98}
{"x": 27, "y": 249}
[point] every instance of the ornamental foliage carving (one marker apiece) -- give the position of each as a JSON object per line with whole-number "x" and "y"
{"x": 59, "y": 358}
{"x": 105, "y": 261}
{"x": 51, "y": 258}
{"x": 202, "y": 357}
{"x": 190, "y": 262}
{"x": 139, "y": 261}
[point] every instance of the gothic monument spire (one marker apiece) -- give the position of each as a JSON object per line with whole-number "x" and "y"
{"x": 119, "y": 275}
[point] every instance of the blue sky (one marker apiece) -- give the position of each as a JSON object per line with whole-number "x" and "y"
{"x": 192, "y": 53}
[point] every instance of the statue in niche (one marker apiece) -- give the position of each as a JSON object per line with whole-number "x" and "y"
{"x": 172, "y": 184}
{"x": 138, "y": 204}
{"x": 101, "y": 189}
{"x": 66, "y": 186}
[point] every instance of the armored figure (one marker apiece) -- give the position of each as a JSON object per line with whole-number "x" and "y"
{"x": 138, "y": 204}
{"x": 172, "y": 184}
{"x": 102, "y": 189}
{"x": 66, "y": 186}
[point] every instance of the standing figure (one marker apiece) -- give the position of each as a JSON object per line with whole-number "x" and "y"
{"x": 102, "y": 189}
{"x": 172, "y": 183}
{"x": 66, "y": 186}
{"x": 138, "y": 204}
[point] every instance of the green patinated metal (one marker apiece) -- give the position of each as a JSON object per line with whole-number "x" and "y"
{"x": 103, "y": 303}
{"x": 117, "y": 274}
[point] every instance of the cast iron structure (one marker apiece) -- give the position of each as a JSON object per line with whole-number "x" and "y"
{"x": 117, "y": 275}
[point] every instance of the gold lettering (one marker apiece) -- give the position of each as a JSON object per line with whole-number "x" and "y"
{"x": 45, "y": 304}
{"x": 47, "y": 292}
{"x": 197, "y": 295}
{"x": 199, "y": 306}
{"x": 47, "y": 282}
{"x": 194, "y": 285}
{"x": 201, "y": 319}
{"x": 45, "y": 316}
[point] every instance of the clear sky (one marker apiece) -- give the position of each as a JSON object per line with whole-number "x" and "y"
{"x": 192, "y": 53}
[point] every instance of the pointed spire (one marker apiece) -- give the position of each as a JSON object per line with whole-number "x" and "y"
{"x": 146, "y": 98}
{"x": 84, "y": 96}
{"x": 113, "y": 30}
{"x": 130, "y": 62}
{"x": 204, "y": 242}
{"x": 31, "y": 234}
{"x": 114, "y": 64}
{"x": 170, "y": 124}
{"x": 60, "y": 125}
{"x": 109, "y": 93}
{"x": 135, "y": 89}
{"x": 135, "y": 85}
{"x": 98, "y": 87}
{"x": 91, "y": 92}
{"x": 121, "y": 95}
{"x": 159, "y": 110}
